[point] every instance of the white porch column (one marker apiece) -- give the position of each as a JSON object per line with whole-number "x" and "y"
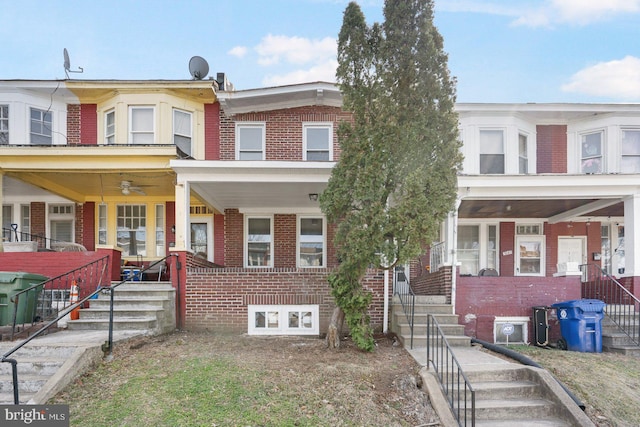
{"x": 1, "y": 202}
{"x": 631, "y": 235}
{"x": 182, "y": 215}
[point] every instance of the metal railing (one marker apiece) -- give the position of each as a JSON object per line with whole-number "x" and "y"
{"x": 402, "y": 288}
{"x": 454, "y": 383}
{"x": 13, "y": 235}
{"x": 623, "y": 308}
{"x": 436, "y": 256}
{"x": 43, "y": 301}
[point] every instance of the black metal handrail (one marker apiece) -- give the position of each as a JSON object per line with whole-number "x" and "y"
{"x": 402, "y": 288}
{"x": 42, "y": 301}
{"x": 622, "y": 307}
{"x": 454, "y": 383}
{"x": 13, "y": 235}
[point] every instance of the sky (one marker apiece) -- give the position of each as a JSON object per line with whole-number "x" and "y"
{"x": 513, "y": 51}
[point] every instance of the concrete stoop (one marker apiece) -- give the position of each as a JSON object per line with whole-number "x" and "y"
{"x": 514, "y": 395}
{"x": 615, "y": 341}
{"x": 147, "y": 306}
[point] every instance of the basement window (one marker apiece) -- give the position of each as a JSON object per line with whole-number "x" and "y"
{"x": 518, "y": 326}
{"x": 283, "y": 320}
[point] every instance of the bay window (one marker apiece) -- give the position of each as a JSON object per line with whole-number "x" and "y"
{"x": 630, "y": 150}
{"x": 141, "y": 125}
{"x": 591, "y": 160}
{"x": 492, "y": 152}
{"x": 41, "y": 127}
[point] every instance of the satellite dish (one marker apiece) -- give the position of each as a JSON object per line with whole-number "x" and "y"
{"x": 198, "y": 67}
{"x": 67, "y": 64}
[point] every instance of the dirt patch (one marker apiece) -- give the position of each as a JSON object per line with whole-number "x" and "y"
{"x": 338, "y": 387}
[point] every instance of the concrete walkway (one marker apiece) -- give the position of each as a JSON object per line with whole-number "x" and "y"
{"x": 469, "y": 358}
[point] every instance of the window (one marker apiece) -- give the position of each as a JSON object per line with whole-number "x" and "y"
{"x": 131, "y": 229}
{"x": 511, "y": 330}
{"x": 7, "y": 219}
{"x": 477, "y": 248}
{"x": 523, "y": 160}
{"x": 182, "y": 132}
{"x": 259, "y": 243}
{"x": 530, "y": 256}
{"x": 61, "y": 219}
{"x": 630, "y": 161}
{"x": 283, "y": 320}
{"x": 160, "y": 247}
{"x": 528, "y": 229}
{"x": 591, "y": 153}
{"x": 110, "y": 127}
{"x": 250, "y": 141}
{"x": 605, "y": 250}
{"x": 41, "y": 127}
{"x": 317, "y": 141}
{"x": 4, "y": 124}
{"x": 25, "y": 218}
{"x": 141, "y": 124}
{"x": 491, "y": 152}
{"x": 311, "y": 242}
{"x": 102, "y": 224}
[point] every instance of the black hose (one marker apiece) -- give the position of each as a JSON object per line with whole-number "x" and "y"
{"x": 525, "y": 361}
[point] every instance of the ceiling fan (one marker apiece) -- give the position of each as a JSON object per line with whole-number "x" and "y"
{"x": 126, "y": 187}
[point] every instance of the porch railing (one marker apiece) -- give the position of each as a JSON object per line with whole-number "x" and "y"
{"x": 454, "y": 383}
{"x": 623, "y": 307}
{"x": 436, "y": 256}
{"x": 43, "y": 301}
{"x": 402, "y": 288}
{"x": 13, "y": 235}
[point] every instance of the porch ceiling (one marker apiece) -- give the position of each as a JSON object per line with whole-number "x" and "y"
{"x": 539, "y": 208}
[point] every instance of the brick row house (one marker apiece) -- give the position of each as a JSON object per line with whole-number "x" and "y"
{"x": 228, "y": 181}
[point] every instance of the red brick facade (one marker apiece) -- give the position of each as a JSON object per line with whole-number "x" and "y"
{"x": 89, "y": 124}
{"x": 551, "y": 146}
{"x": 212, "y": 131}
{"x": 73, "y": 124}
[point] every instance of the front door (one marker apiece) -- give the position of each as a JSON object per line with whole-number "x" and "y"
{"x": 201, "y": 242}
{"x": 571, "y": 252}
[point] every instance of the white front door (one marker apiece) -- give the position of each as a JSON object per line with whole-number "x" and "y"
{"x": 571, "y": 252}
{"x": 202, "y": 237}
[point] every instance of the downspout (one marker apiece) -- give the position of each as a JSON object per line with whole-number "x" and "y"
{"x": 454, "y": 255}
{"x": 385, "y": 320}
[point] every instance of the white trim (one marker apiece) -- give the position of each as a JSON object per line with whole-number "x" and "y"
{"x": 106, "y": 126}
{"x": 521, "y": 321}
{"x": 262, "y": 126}
{"x": 320, "y": 125}
{"x": 246, "y": 241}
{"x": 324, "y": 240}
{"x": 203, "y": 219}
{"x": 541, "y": 240}
{"x": 153, "y": 124}
{"x": 278, "y": 314}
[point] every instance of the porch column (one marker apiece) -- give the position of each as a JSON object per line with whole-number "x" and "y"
{"x": 182, "y": 215}
{"x": 631, "y": 234}
{"x": 1, "y": 202}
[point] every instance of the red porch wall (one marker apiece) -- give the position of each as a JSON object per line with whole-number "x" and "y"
{"x": 507, "y": 248}
{"x": 217, "y": 299}
{"x": 87, "y": 238}
{"x": 479, "y": 300}
{"x": 170, "y": 222}
{"x": 50, "y": 264}
{"x": 38, "y": 227}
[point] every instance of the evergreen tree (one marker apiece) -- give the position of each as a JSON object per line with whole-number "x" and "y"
{"x": 396, "y": 178}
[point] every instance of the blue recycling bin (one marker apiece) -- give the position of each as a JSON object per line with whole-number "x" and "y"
{"x": 581, "y": 324}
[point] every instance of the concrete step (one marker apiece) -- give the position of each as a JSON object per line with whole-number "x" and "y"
{"x": 421, "y": 318}
{"x": 448, "y": 329}
{"x": 420, "y": 340}
{"x": 427, "y": 308}
{"x": 130, "y": 302}
{"x": 616, "y": 339}
{"x": 28, "y": 383}
{"x": 7, "y": 398}
{"x": 627, "y": 350}
{"x": 119, "y": 324}
{"x": 513, "y": 409}
{"x": 505, "y": 389}
{"x": 35, "y": 365}
{"x": 549, "y": 422}
{"x": 120, "y": 312}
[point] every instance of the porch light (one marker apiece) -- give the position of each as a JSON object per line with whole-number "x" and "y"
{"x": 313, "y": 197}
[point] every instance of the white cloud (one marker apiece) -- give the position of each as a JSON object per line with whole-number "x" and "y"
{"x": 238, "y": 51}
{"x": 325, "y": 72}
{"x": 619, "y": 79}
{"x": 551, "y": 12}
{"x": 295, "y": 50}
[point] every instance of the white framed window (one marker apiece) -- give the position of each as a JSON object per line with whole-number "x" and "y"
{"x": 160, "y": 227}
{"x": 530, "y": 256}
{"x": 110, "y": 127}
{"x": 4, "y": 124}
{"x": 591, "y": 157}
{"x": 259, "y": 241}
{"x": 61, "y": 222}
{"x": 182, "y": 130}
{"x": 283, "y": 320}
{"x": 492, "y": 151}
{"x": 102, "y": 224}
{"x": 41, "y": 127}
{"x": 131, "y": 221}
{"x": 141, "y": 125}
{"x": 630, "y": 151}
{"x": 250, "y": 141}
{"x": 317, "y": 140}
{"x": 529, "y": 229}
{"x": 511, "y": 330}
{"x": 25, "y": 218}
{"x": 523, "y": 156}
{"x": 477, "y": 248}
{"x": 311, "y": 242}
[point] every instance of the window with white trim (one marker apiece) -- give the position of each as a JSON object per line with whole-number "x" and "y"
{"x": 511, "y": 330}
{"x": 4, "y": 124}
{"x": 630, "y": 151}
{"x": 491, "y": 151}
{"x": 61, "y": 222}
{"x": 250, "y": 141}
{"x": 259, "y": 242}
{"x": 141, "y": 125}
{"x": 523, "y": 157}
{"x": 591, "y": 157}
{"x": 530, "y": 255}
{"x": 477, "y": 248}
{"x": 311, "y": 242}
{"x": 102, "y": 224}
{"x": 131, "y": 221}
{"x": 160, "y": 246}
{"x": 317, "y": 141}
{"x": 110, "y": 127}
{"x": 25, "y": 218}
{"x": 182, "y": 131}
{"x": 41, "y": 127}
{"x": 283, "y": 320}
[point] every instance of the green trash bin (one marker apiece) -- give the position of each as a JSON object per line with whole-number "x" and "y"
{"x": 10, "y": 284}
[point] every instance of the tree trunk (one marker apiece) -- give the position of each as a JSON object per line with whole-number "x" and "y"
{"x": 335, "y": 328}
